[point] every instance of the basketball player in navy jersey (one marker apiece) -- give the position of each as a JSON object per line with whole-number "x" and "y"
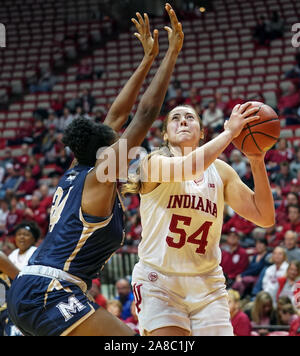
{"x": 86, "y": 220}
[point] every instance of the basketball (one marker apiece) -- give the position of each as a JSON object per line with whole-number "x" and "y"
{"x": 260, "y": 135}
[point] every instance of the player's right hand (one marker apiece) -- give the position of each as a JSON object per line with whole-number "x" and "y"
{"x": 149, "y": 43}
{"x": 240, "y": 117}
{"x": 175, "y": 34}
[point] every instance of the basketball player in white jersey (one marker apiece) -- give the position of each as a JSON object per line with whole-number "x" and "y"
{"x": 178, "y": 283}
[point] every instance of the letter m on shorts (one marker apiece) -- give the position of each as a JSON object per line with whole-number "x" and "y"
{"x": 72, "y": 307}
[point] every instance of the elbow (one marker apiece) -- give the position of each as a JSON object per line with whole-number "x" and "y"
{"x": 267, "y": 222}
{"x": 148, "y": 112}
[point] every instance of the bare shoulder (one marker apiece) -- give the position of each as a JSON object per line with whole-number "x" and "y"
{"x": 150, "y": 161}
{"x": 224, "y": 169}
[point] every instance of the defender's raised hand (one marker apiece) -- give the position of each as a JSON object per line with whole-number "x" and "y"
{"x": 175, "y": 33}
{"x": 149, "y": 43}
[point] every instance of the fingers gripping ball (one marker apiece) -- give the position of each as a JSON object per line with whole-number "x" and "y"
{"x": 260, "y": 135}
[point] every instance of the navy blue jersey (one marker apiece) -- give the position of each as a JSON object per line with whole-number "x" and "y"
{"x": 76, "y": 243}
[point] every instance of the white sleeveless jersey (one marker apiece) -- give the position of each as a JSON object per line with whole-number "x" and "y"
{"x": 182, "y": 223}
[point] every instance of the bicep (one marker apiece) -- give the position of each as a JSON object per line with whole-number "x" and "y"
{"x": 240, "y": 197}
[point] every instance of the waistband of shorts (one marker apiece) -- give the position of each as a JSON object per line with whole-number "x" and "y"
{"x": 50, "y": 272}
{"x": 215, "y": 271}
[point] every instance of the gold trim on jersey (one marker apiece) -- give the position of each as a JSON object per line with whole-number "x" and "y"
{"x": 88, "y": 229}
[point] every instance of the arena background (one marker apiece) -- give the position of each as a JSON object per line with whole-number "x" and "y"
{"x": 56, "y": 50}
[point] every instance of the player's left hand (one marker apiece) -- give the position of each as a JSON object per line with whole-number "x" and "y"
{"x": 149, "y": 43}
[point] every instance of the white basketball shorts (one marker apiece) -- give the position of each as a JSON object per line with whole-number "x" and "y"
{"x": 198, "y": 304}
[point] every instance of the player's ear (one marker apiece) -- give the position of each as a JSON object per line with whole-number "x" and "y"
{"x": 165, "y": 137}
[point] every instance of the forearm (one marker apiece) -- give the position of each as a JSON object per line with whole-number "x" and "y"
{"x": 201, "y": 158}
{"x": 156, "y": 92}
{"x": 122, "y": 106}
{"x": 152, "y": 100}
{"x": 263, "y": 198}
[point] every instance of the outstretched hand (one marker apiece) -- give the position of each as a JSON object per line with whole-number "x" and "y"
{"x": 175, "y": 34}
{"x": 149, "y": 43}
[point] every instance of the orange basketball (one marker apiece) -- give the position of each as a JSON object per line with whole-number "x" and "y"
{"x": 260, "y": 135}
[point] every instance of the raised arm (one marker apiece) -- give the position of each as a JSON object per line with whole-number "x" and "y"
{"x": 122, "y": 106}
{"x": 7, "y": 267}
{"x": 161, "y": 168}
{"x": 152, "y": 100}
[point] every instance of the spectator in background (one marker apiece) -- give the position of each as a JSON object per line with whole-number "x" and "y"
{"x": 279, "y": 154}
{"x": 28, "y": 185}
{"x": 14, "y": 216}
{"x": 86, "y": 101}
{"x": 275, "y": 26}
{"x": 57, "y": 104}
{"x": 194, "y": 99}
{"x": 219, "y": 102}
{"x": 45, "y": 196}
{"x": 238, "y": 163}
{"x": 241, "y": 225}
{"x": 4, "y": 210}
{"x": 281, "y": 301}
{"x": 239, "y": 320}
{"x": 288, "y": 314}
{"x": 85, "y": 70}
{"x": 262, "y": 312}
{"x": 260, "y": 32}
{"x": 72, "y": 103}
{"x": 292, "y": 224}
{"x": 284, "y": 176}
{"x": 12, "y": 181}
{"x": 95, "y": 292}
{"x": 287, "y": 104}
{"x": 276, "y": 270}
{"x": 234, "y": 257}
{"x": 125, "y": 296}
{"x": 38, "y": 133}
{"x": 99, "y": 116}
{"x": 115, "y": 308}
{"x": 286, "y": 284}
{"x": 133, "y": 321}
{"x": 295, "y": 71}
{"x": 295, "y": 327}
{"x": 45, "y": 83}
{"x": 295, "y": 164}
{"x": 34, "y": 212}
{"x": 65, "y": 119}
{"x": 213, "y": 118}
{"x": 176, "y": 100}
{"x": 236, "y": 98}
{"x": 7, "y": 157}
{"x": 52, "y": 121}
{"x": 248, "y": 177}
{"x": 27, "y": 234}
{"x": 35, "y": 167}
{"x": 23, "y": 159}
{"x": 245, "y": 281}
{"x": 282, "y": 211}
{"x": 63, "y": 160}
{"x": 172, "y": 89}
{"x": 290, "y": 244}
{"x": 80, "y": 113}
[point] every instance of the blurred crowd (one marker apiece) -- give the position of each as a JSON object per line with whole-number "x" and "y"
{"x": 262, "y": 266}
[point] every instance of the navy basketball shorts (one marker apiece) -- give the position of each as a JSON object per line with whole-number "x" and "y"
{"x": 45, "y": 306}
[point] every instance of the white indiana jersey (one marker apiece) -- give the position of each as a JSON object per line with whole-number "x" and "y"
{"x": 182, "y": 223}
